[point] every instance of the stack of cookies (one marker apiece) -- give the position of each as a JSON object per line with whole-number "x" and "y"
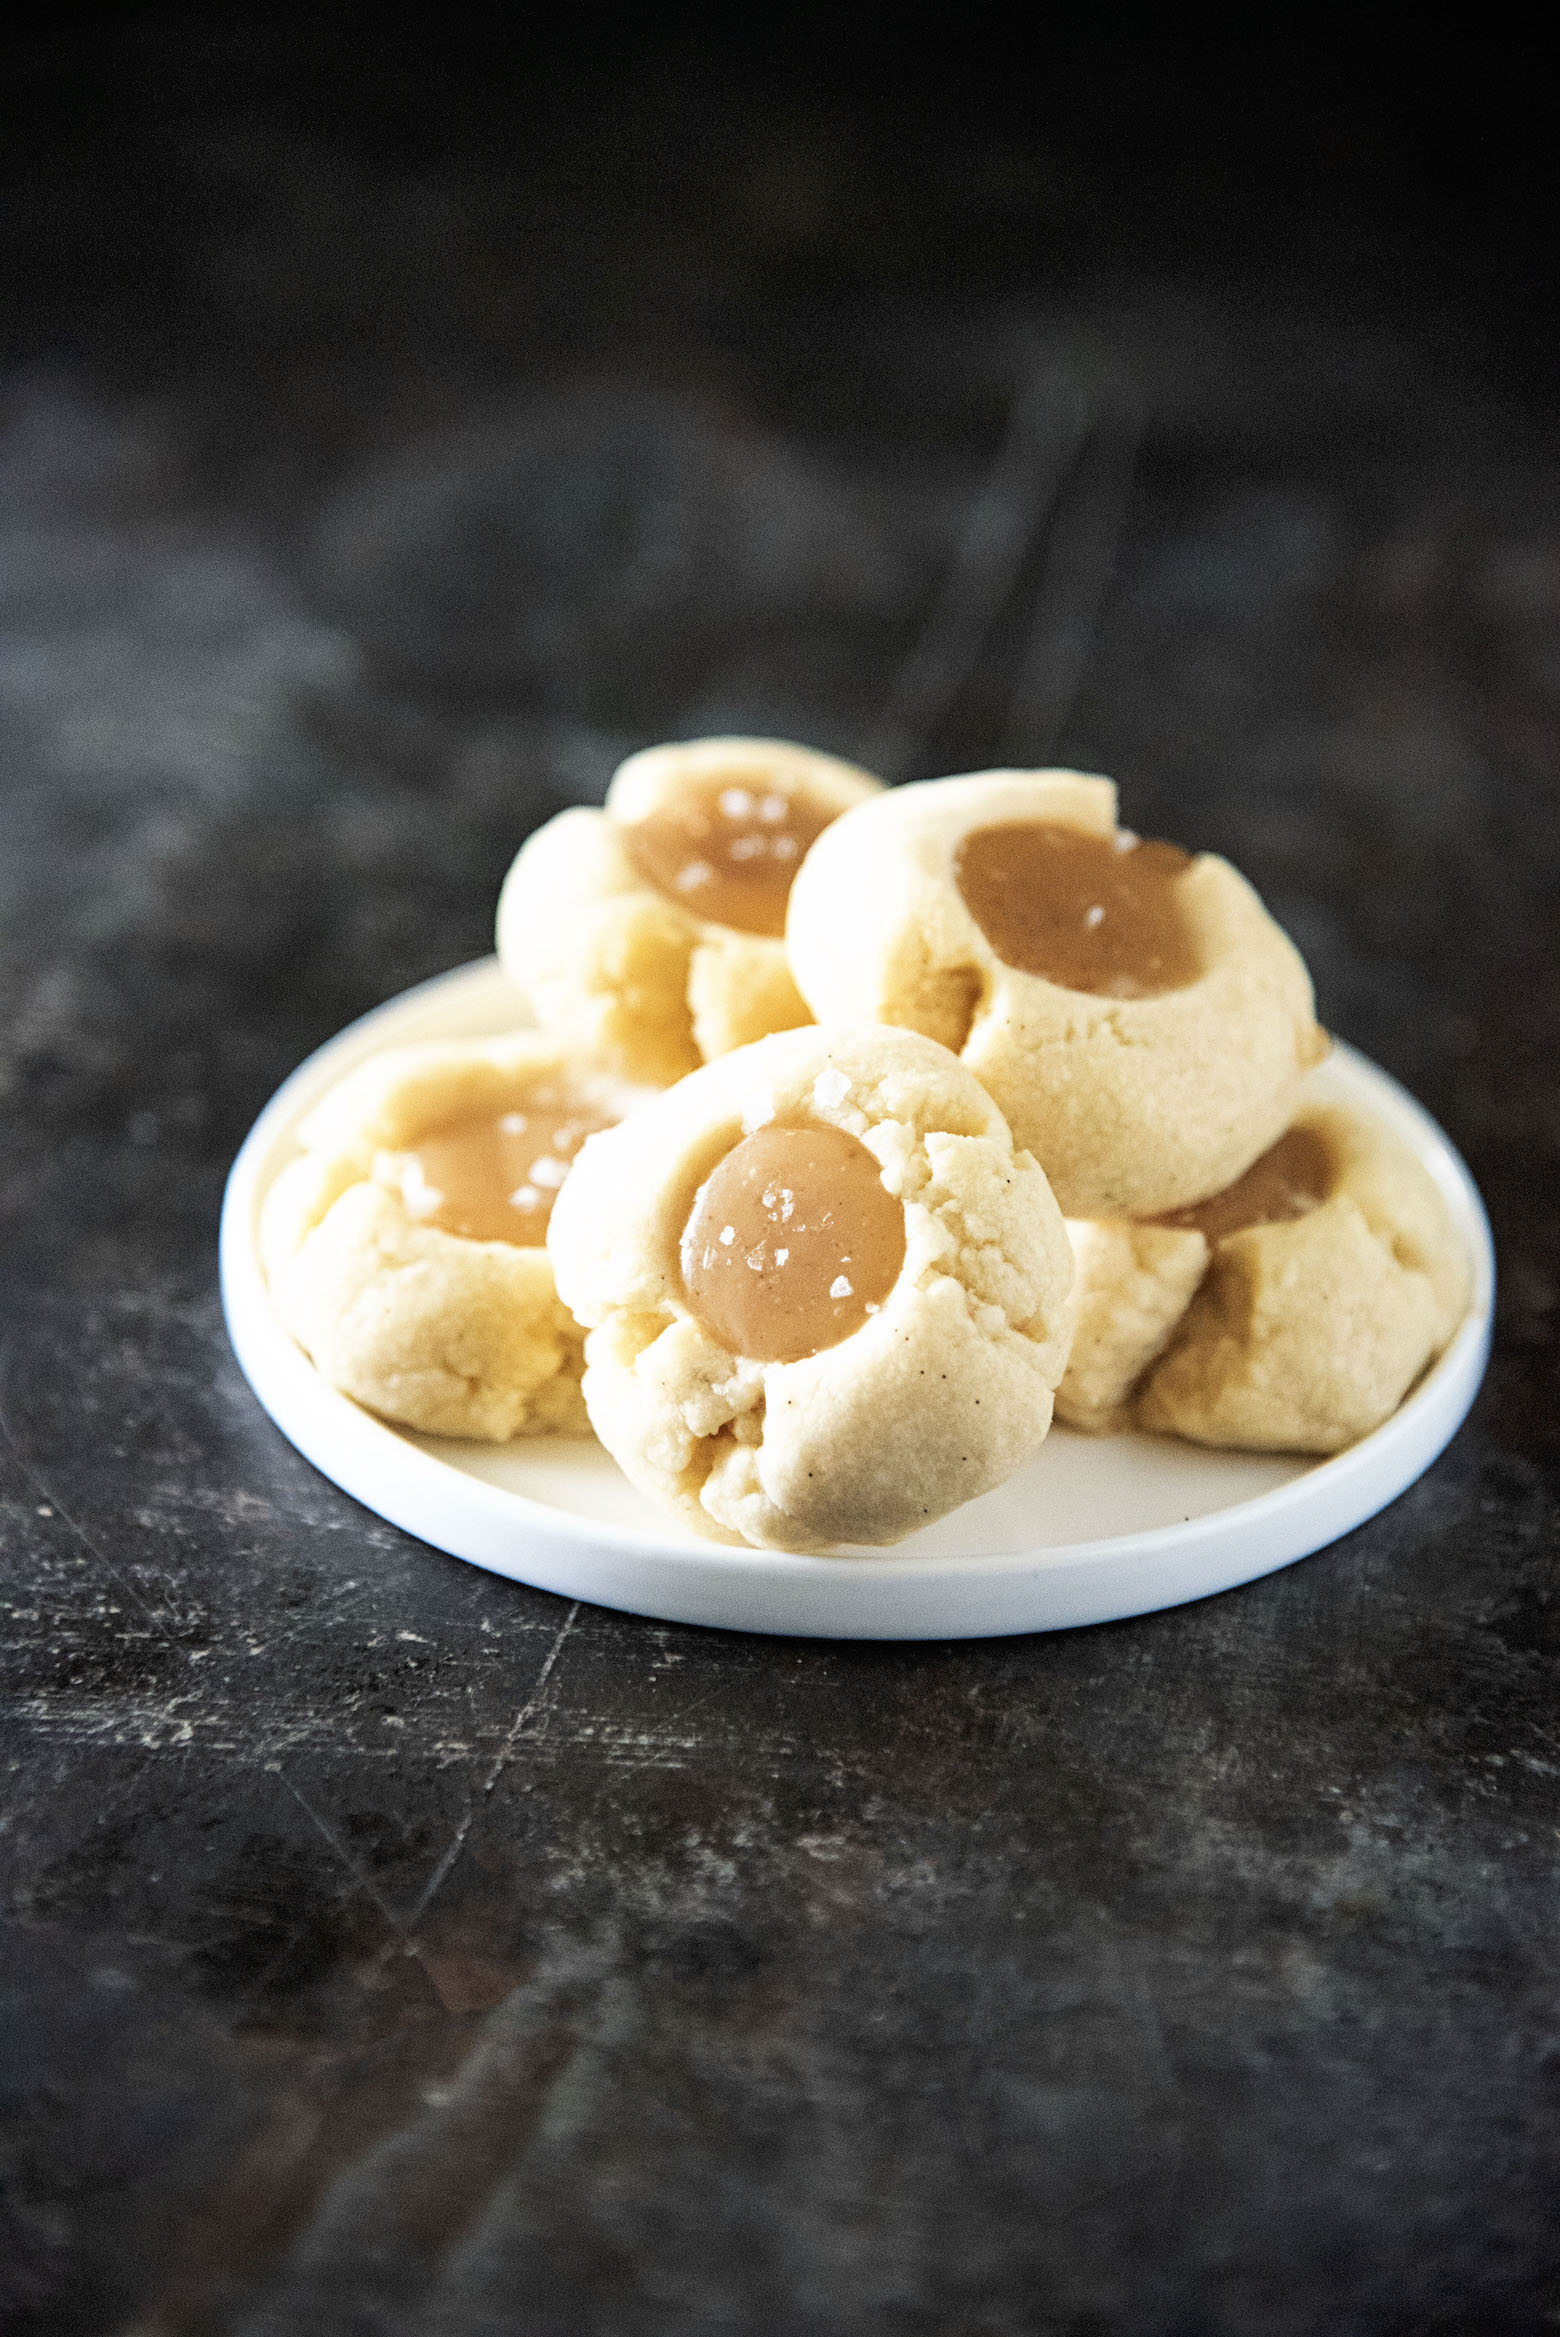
{"x": 864, "y": 1128}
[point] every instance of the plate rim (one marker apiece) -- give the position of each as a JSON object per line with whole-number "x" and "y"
{"x": 280, "y": 1375}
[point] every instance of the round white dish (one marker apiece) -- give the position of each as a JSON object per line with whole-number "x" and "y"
{"x": 1093, "y": 1529}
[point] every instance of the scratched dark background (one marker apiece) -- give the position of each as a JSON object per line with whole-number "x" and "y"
{"x": 395, "y": 429}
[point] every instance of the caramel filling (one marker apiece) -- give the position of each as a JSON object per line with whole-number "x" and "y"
{"x": 1288, "y": 1180}
{"x": 495, "y": 1176}
{"x": 728, "y": 850}
{"x": 792, "y": 1242}
{"x": 1092, "y": 913}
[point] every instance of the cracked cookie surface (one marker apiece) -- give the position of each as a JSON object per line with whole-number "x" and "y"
{"x": 944, "y": 1386}
{"x": 1299, "y": 1331}
{"x": 433, "y": 1327}
{"x": 649, "y": 933}
{"x": 1135, "y": 1282}
{"x": 1134, "y": 1100}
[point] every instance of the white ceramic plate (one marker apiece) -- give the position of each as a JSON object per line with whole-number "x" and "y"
{"x": 1092, "y": 1529}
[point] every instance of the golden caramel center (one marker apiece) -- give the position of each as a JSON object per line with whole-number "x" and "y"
{"x": 495, "y": 1176}
{"x": 1095, "y": 913}
{"x": 728, "y": 849}
{"x": 1288, "y": 1180}
{"x": 792, "y": 1242}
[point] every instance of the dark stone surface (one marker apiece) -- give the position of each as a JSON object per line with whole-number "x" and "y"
{"x": 387, "y": 444}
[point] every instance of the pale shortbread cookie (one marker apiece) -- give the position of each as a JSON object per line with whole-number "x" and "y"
{"x": 1135, "y": 1282}
{"x": 1306, "y": 1335}
{"x": 939, "y": 1395}
{"x": 1302, "y": 1336}
{"x": 429, "y": 1328}
{"x": 1132, "y": 1105}
{"x": 631, "y": 972}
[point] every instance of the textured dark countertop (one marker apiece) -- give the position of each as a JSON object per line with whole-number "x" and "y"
{"x": 386, "y": 447}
